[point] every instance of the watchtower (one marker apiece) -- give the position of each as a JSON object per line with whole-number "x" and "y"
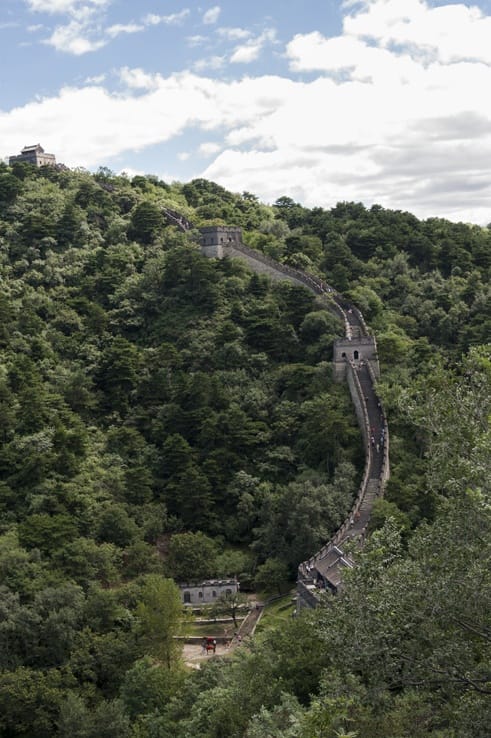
{"x": 359, "y": 349}
{"x": 34, "y": 155}
{"x": 214, "y": 238}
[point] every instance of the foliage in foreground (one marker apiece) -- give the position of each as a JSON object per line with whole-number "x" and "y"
{"x": 161, "y": 414}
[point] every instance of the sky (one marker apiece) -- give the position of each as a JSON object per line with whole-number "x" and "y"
{"x": 376, "y": 101}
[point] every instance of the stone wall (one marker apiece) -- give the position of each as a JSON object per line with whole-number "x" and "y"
{"x": 36, "y": 156}
{"x": 207, "y": 592}
{"x": 354, "y": 349}
{"x": 214, "y": 235}
{"x": 360, "y": 405}
{"x": 385, "y": 473}
{"x": 262, "y": 264}
{"x": 352, "y": 354}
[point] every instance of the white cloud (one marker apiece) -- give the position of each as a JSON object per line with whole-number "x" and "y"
{"x": 209, "y": 148}
{"x": 246, "y": 54}
{"x": 97, "y": 79}
{"x": 174, "y": 19}
{"x": 78, "y": 36}
{"x": 234, "y": 34}
{"x": 130, "y": 172}
{"x": 73, "y": 39}
{"x": 64, "y": 6}
{"x": 386, "y": 119}
{"x": 127, "y": 122}
{"x": 152, "y": 20}
{"x": 448, "y": 33}
{"x": 211, "y": 15}
{"x": 119, "y": 28}
{"x": 183, "y": 155}
{"x": 196, "y": 40}
{"x": 314, "y": 52}
{"x": 251, "y": 50}
{"x": 211, "y": 63}
{"x": 137, "y": 79}
{"x": 84, "y": 32}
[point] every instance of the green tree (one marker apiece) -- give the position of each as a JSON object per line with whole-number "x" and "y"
{"x": 272, "y": 576}
{"x": 159, "y": 614}
{"x": 148, "y": 687}
{"x": 69, "y": 231}
{"x": 46, "y": 532}
{"x": 10, "y": 187}
{"x": 75, "y": 720}
{"x": 449, "y": 401}
{"x": 115, "y": 526}
{"x": 229, "y": 604}
{"x": 191, "y": 556}
{"x": 146, "y": 222}
{"x": 29, "y": 702}
{"x": 117, "y": 375}
{"x": 85, "y": 561}
{"x": 107, "y": 720}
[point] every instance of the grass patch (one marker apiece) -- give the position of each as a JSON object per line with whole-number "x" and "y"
{"x": 211, "y": 629}
{"x": 277, "y": 613}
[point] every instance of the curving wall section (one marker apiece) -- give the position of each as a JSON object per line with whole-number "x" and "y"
{"x": 356, "y": 360}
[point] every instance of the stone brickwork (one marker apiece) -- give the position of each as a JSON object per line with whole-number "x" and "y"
{"x": 215, "y": 238}
{"x": 34, "y": 155}
{"x": 354, "y": 349}
{"x": 207, "y": 592}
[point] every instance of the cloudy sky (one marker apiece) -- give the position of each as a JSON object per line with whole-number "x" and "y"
{"x": 378, "y": 101}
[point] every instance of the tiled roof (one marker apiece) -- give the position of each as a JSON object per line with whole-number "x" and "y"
{"x": 34, "y": 147}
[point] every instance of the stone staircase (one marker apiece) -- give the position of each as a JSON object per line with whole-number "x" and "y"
{"x": 358, "y": 528}
{"x": 356, "y": 331}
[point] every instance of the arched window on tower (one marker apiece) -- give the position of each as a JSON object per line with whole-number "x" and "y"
{"x": 355, "y": 355}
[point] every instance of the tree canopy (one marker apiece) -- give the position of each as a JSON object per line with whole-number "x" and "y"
{"x": 164, "y": 415}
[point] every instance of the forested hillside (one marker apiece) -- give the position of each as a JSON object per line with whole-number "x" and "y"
{"x": 164, "y": 416}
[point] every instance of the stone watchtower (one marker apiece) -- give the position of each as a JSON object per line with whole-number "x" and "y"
{"x": 214, "y": 238}
{"x": 363, "y": 348}
{"x": 34, "y": 155}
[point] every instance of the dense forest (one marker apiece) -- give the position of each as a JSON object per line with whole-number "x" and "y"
{"x": 167, "y": 417}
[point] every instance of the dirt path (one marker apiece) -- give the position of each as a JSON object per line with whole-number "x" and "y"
{"x": 193, "y": 653}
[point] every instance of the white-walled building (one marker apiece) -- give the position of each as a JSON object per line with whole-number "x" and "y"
{"x": 207, "y": 592}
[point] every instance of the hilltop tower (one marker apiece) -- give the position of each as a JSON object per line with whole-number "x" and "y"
{"x": 34, "y": 155}
{"x": 214, "y": 238}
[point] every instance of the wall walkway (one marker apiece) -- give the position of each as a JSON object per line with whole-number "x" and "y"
{"x": 356, "y": 360}
{"x": 323, "y": 571}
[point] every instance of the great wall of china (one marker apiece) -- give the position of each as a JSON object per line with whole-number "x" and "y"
{"x": 355, "y": 360}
